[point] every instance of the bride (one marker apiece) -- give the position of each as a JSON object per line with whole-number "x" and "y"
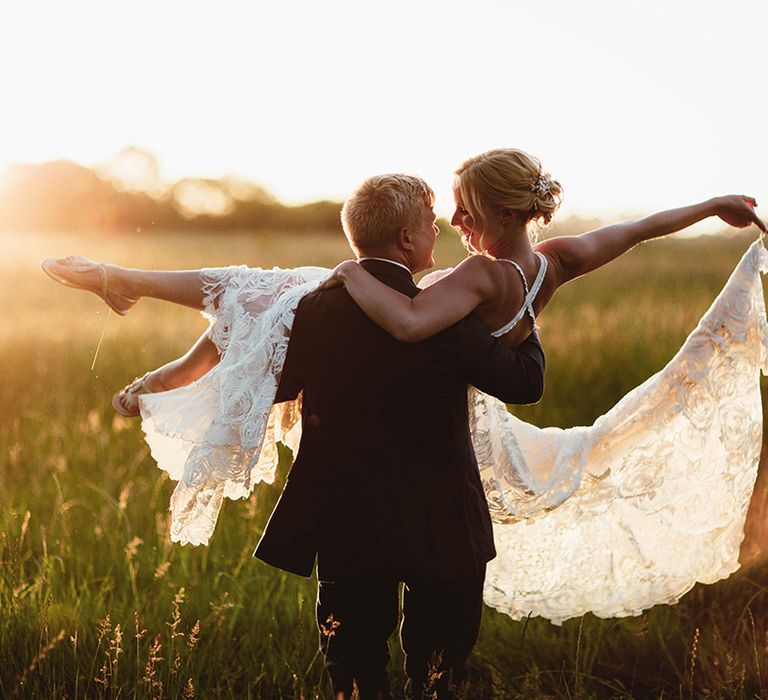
{"x": 614, "y": 544}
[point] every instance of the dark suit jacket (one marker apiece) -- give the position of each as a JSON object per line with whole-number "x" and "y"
{"x": 385, "y": 480}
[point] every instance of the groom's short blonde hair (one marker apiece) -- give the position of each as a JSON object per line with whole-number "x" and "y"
{"x": 381, "y": 206}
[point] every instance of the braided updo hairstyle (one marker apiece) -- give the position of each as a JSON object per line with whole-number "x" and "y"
{"x": 507, "y": 178}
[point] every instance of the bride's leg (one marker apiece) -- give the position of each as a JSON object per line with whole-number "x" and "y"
{"x": 178, "y": 286}
{"x": 121, "y": 287}
{"x": 196, "y": 362}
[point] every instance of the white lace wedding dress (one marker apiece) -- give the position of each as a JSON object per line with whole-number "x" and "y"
{"x": 612, "y": 518}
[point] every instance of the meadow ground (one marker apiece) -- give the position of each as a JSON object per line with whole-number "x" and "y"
{"x": 95, "y": 600}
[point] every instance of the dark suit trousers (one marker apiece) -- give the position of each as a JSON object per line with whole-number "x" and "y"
{"x": 441, "y": 623}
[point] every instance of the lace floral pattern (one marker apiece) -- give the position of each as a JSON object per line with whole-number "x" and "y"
{"x": 650, "y": 499}
{"x": 217, "y": 436}
{"x": 612, "y": 518}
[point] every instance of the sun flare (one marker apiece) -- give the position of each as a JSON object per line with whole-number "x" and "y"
{"x": 308, "y": 114}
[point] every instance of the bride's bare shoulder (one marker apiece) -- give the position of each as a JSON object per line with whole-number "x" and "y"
{"x": 479, "y": 272}
{"x": 477, "y": 265}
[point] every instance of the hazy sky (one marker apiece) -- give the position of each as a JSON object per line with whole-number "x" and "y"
{"x": 632, "y": 105}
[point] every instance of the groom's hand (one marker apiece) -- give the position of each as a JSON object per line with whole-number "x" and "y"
{"x": 739, "y": 211}
{"x": 338, "y": 275}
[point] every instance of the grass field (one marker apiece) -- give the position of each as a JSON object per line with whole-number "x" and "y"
{"x": 95, "y": 600}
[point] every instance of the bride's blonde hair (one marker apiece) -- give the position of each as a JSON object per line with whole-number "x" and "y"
{"x": 507, "y": 178}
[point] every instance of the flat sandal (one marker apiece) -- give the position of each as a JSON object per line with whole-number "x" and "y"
{"x": 137, "y": 387}
{"x": 79, "y": 264}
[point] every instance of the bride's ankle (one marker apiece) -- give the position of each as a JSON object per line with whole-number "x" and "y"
{"x": 159, "y": 380}
{"x": 121, "y": 281}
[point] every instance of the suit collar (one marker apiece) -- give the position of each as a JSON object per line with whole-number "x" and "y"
{"x": 393, "y": 275}
{"x": 387, "y": 260}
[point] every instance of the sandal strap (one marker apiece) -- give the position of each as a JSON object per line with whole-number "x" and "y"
{"x": 140, "y": 385}
{"x": 137, "y": 386}
{"x": 84, "y": 265}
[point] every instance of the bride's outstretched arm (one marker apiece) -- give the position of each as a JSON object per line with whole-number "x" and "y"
{"x": 436, "y": 308}
{"x": 573, "y": 256}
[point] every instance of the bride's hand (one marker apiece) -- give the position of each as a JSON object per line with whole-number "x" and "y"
{"x": 739, "y": 211}
{"x": 338, "y": 275}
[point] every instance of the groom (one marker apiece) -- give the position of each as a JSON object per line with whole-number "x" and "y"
{"x": 385, "y": 487}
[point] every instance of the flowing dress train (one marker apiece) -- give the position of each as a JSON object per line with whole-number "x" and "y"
{"x": 611, "y": 518}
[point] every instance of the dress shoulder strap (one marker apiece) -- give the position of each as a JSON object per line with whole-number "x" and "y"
{"x": 530, "y": 295}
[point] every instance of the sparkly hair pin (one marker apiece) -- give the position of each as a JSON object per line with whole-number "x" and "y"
{"x": 540, "y": 187}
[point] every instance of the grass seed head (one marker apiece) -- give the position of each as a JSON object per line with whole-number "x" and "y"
{"x": 194, "y": 635}
{"x": 132, "y": 547}
{"x": 162, "y": 569}
{"x": 104, "y": 628}
{"x": 328, "y": 629}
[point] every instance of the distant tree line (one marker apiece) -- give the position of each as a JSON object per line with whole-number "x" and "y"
{"x": 128, "y": 194}
{"x": 65, "y": 196}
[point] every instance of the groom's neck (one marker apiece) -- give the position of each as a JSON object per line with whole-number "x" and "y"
{"x": 385, "y": 254}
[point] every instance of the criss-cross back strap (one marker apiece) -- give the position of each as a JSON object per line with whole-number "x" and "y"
{"x": 530, "y": 295}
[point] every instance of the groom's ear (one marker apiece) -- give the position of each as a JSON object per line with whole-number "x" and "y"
{"x": 404, "y": 239}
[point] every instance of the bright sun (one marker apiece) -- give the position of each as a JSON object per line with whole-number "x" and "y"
{"x": 308, "y": 114}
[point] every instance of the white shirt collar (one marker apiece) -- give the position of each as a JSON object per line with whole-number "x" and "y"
{"x": 394, "y": 262}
